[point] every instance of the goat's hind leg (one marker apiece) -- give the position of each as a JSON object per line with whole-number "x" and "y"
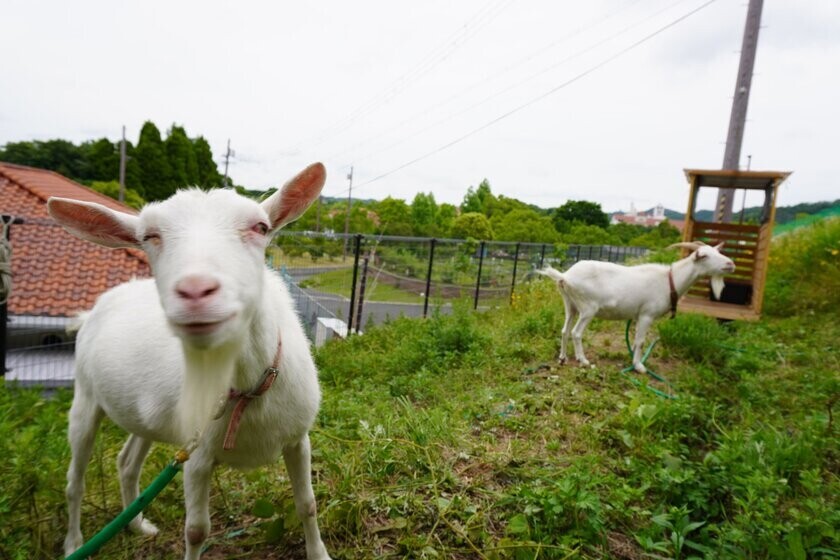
{"x": 571, "y": 313}
{"x": 84, "y": 419}
{"x": 577, "y": 335}
{"x": 129, "y": 464}
{"x": 298, "y": 465}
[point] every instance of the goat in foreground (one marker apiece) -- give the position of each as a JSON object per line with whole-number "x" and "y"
{"x": 160, "y": 356}
{"x": 642, "y": 293}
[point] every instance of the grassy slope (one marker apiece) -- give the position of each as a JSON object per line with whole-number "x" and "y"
{"x": 441, "y": 439}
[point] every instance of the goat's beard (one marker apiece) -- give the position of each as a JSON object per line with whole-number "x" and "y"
{"x": 207, "y": 378}
{"x": 717, "y": 285}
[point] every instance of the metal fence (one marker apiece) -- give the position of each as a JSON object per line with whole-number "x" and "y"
{"x": 341, "y": 286}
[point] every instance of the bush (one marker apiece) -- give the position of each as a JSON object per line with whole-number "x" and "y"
{"x": 804, "y": 273}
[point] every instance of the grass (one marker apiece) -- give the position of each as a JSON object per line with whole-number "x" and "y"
{"x": 339, "y": 282}
{"x": 459, "y": 437}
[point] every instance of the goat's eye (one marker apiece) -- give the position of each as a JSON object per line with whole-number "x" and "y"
{"x": 260, "y": 228}
{"x": 151, "y": 237}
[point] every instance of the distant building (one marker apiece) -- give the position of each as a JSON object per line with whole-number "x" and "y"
{"x": 55, "y": 274}
{"x": 651, "y": 218}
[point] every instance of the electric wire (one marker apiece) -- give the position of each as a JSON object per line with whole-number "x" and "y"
{"x": 534, "y": 100}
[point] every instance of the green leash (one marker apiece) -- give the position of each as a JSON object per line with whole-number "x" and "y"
{"x": 134, "y": 508}
{"x": 626, "y": 371}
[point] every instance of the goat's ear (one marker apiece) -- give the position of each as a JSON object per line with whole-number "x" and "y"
{"x": 288, "y": 203}
{"x": 94, "y": 222}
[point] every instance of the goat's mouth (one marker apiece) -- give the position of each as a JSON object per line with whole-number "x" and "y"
{"x": 728, "y": 268}
{"x": 198, "y": 328}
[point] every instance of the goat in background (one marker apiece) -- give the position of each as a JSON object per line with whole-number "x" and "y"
{"x": 642, "y": 293}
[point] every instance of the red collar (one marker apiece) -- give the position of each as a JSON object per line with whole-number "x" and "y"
{"x": 674, "y": 295}
{"x": 243, "y": 399}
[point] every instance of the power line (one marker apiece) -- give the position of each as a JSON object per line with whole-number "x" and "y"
{"x": 476, "y": 22}
{"x": 540, "y": 97}
{"x": 519, "y": 83}
{"x": 495, "y": 76}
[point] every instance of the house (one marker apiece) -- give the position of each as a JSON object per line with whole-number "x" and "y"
{"x": 55, "y": 275}
{"x": 651, "y": 218}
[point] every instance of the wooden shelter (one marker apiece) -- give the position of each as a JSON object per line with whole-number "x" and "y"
{"x": 748, "y": 244}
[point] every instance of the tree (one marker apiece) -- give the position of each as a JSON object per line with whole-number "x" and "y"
{"x": 424, "y": 214}
{"x": 446, "y": 215}
{"x": 582, "y": 212}
{"x": 208, "y": 173}
{"x": 155, "y": 173}
{"x": 103, "y": 160}
{"x": 181, "y": 157}
{"x": 525, "y": 225}
{"x": 112, "y": 189}
{"x": 394, "y": 217}
{"x": 478, "y": 200}
{"x": 584, "y": 234}
{"x": 472, "y": 225}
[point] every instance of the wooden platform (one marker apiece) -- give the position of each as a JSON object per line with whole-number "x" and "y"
{"x": 719, "y": 310}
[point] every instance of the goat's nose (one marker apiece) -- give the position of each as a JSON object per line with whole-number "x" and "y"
{"x": 195, "y": 288}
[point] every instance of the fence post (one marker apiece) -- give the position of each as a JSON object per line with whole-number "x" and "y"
{"x": 361, "y": 303}
{"x": 577, "y": 253}
{"x": 429, "y": 276}
{"x": 4, "y": 310}
{"x": 542, "y": 255}
{"x": 478, "y": 278}
{"x": 353, "y": 286}
{"x": 513, "y": 281}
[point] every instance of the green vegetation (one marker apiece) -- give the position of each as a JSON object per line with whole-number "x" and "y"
{"x": 459, "y": 437}
{"x": 154, "y": 170}
{"x": 339, "y": 282}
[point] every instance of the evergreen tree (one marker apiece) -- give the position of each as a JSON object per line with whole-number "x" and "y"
{"x": 155, "y": 173}
{"x": 208, "y": 173}
{"x": 103, "y": 160}
{"x": 181, "y": 157}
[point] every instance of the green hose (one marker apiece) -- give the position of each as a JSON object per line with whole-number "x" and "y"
{"x": 129, "y": 513}
{"x": 651, "y": 373}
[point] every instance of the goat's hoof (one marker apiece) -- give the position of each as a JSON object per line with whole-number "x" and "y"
{"x": 144, "y": 527}
{"x": 561, "y": 360}
{"x": 640, "y": 368}
{"x": 317, "y": 552}
{"x": 72, "y": 543}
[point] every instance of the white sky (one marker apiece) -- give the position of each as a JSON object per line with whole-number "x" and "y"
{"x": 377, "y": 84}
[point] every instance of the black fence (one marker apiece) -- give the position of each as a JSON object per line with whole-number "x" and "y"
{"x": 341, "y": 285}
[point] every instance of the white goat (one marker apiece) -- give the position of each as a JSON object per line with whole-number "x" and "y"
{"x": 644, "y": 292}
{"x": 160, "y": 356}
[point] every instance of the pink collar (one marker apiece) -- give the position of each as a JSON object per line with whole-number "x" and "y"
{"x": 243, "y": 399}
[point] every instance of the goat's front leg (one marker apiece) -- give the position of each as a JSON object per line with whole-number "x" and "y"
{"x": 298, "y": 465}
{"x": 129, "y": 464}
{"x": 85, "y": 417}
{"x": 197, "y": 473}
{"x": 577, "y": 336}
{"x": 642, "y": 325}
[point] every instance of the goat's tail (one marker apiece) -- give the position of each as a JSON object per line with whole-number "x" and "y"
{"x": 552, "y": 273}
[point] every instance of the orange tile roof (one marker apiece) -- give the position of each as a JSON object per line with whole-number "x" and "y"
{"x": 53, "y": 272}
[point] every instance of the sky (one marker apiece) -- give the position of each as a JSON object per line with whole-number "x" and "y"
{"x": 549, "y": 100}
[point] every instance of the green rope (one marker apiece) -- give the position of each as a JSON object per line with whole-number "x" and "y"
{"x": 626, "y": 371}
{"x": 129, "y": 513}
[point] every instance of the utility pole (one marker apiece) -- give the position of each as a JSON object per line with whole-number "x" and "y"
{"x": 318, "y": 214}
{"x": 347, "y": 214}
{"x": 738, "y": 117}
{"x": 228, "y": 154}
{"x": 122, "y": 167}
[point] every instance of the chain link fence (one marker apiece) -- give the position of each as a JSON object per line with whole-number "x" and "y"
{"x": 342, "y": 285}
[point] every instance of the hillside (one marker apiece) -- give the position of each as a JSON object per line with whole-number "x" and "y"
{"x": 460, "y": 437}
{"x": 784, "y": 214}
